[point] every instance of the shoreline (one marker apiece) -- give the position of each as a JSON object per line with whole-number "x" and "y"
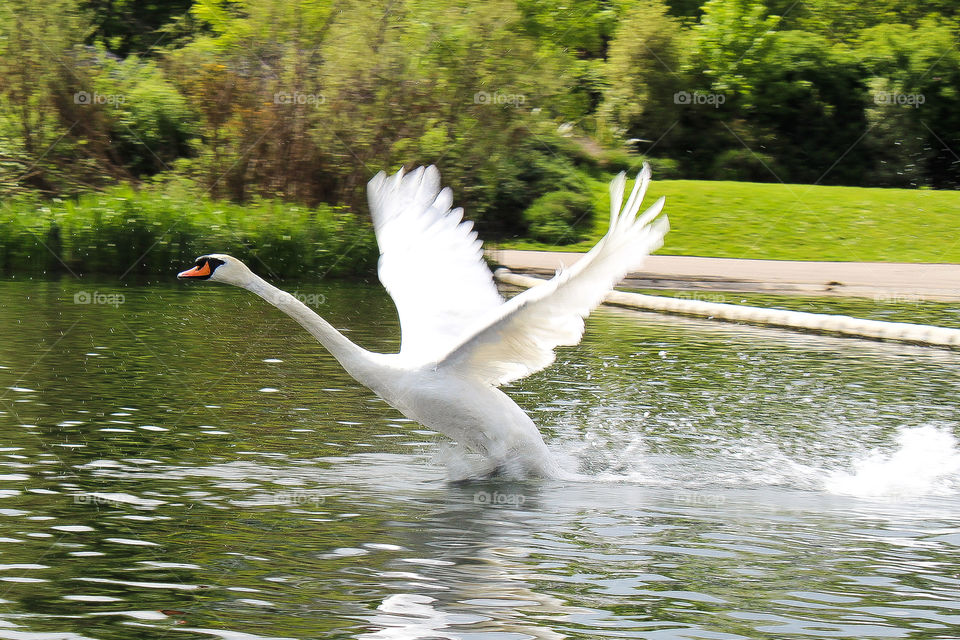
{"x": 843, "y": 325}
{"x": 888, "y": 281}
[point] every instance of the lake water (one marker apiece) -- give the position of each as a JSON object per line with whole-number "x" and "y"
{"x": 181, "y": 460}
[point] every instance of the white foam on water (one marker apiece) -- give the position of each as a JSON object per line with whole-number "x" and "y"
{"x": 926, "y": 462}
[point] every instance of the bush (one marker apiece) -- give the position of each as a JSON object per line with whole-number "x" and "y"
{"x": 161, "y": 228}
{"x": 665, "y": 168}
{"x": 559, "y": 217}
{"x": 617, "y": 160}
{"x": 745, "y": 166}
{"x": 150, "y": 124}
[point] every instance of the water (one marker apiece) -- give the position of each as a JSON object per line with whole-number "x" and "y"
{"x": 183, "y": 461}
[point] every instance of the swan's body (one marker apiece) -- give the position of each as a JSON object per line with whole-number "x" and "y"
{"x": 460, "y": 338}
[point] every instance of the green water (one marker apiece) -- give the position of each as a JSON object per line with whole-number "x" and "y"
{"x": 184, "y": 461}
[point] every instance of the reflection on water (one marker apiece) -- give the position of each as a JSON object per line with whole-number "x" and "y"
{"x": 188, "y": 463}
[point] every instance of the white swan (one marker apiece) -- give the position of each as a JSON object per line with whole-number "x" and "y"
{"x": 460, "y": 339}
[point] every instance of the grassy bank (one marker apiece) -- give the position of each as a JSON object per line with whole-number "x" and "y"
{"x": 161, "y": 228}
{"x": 795, "y": 222}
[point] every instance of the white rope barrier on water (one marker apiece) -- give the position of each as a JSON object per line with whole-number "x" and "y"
{"x": 844, "y": 325}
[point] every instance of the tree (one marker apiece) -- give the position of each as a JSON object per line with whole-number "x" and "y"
{"x": 644, "y": 72}
{"x": 305, "y": 102}
{"x": 134, "y": 26}
{"x": 914, "y": 76}
{"x": 807, "y": 101}
{"x": 39, "y": 73}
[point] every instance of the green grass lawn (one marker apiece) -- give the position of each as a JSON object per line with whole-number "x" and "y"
{"x": 795, "y": 222}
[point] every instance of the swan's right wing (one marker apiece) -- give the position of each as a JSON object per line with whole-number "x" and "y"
{"x": 521, "y": 336}
{"x": 431, "y": 261}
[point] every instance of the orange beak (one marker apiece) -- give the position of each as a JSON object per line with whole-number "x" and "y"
{"x": 196, "y": 272}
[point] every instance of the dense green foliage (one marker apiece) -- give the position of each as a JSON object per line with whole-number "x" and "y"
{"x": 164, "y": 227}
{"x": 304, "y": 100}
{"x": 558, "y": 217}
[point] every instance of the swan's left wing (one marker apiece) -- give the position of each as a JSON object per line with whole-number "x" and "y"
{"x": 431, "y": 261}
{"x": 520, "y": 338}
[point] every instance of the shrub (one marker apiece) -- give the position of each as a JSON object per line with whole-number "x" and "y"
{"x": 151, "y": 124}
{"x": 559, "y": 217}
{"x": 665, "y": 168}
{"x": 618, "y": 160}
{"x": 744, "y": 165}
{"x": 161, "y": 228}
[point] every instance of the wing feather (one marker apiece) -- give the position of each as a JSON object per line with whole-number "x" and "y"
{"x": 519, "y": 338}
{"x": 431, "y": 261}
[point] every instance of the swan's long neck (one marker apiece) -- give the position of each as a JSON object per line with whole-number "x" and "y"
{"x": 357, "y": 361}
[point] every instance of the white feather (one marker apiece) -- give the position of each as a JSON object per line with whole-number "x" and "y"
{"x": 519, "y": 338}
{"x": 431, "y": 262}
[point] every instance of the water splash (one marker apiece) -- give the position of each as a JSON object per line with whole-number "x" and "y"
{"x": 926, "y": 462}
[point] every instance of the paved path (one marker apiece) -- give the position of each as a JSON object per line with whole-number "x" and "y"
{"x": 880, "y": 280}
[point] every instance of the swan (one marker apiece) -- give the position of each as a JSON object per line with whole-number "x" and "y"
{"x": 460, "y": 340}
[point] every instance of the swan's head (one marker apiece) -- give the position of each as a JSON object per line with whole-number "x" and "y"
{"x": 218, "y": 267}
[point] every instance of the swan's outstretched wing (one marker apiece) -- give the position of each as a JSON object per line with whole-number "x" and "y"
{"x": 431, "y": 262}
{"x": 519, "y": 339}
